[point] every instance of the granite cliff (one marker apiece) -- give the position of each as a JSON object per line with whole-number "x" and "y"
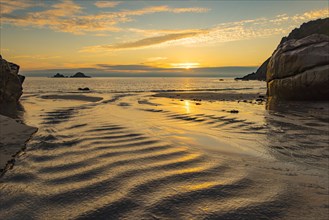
{"x": 299, "y": 69}
{"x": 320, "y": 26}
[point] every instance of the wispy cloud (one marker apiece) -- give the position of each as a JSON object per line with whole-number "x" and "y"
{"x": 224, "y": 32}
{"x": 8, "y": 7}
{"x": 155, "y": 59}
{"x": 106, "y": 4}
{"x": 146, "y": 42}
{"x": 68, "y": 16}
{"x": 36, "y": 57}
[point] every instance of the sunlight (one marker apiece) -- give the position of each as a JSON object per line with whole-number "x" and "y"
{"x": 187, "y": 106}
{"x": 185, "y": 65}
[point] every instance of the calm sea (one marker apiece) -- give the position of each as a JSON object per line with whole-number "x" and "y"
{"x": 140, "y": 84}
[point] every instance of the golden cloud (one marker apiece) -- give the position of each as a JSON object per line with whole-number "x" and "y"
{"x": 106, "y": 4}
{"x": 224, "y": 32}
{"x": 146, "y": 42}
{"x": 68, "y": 16}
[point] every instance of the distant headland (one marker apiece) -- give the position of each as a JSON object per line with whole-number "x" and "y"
{"x": 77, "y": 75}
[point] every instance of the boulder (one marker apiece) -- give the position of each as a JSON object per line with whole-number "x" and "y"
{"x": 299, "y": 69}
{"x": 10, "y": 82}
{"x": 84, "y": 89}
{"x": 319, "y": 26}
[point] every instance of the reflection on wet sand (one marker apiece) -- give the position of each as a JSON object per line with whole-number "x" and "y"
{"x": 301, "y": 131}
{"x": 162, "y": 158}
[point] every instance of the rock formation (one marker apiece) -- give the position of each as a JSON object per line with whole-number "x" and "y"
{"x": 299, "y": 69}
{"x": 79, "y": 75}
{"x": 10, "y": 82}
{"x": 260, "y": 74}
{"x": 58, "y": 75}
{"x": 320, "y": 26}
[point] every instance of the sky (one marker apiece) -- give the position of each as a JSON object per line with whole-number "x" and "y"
{"x": 146, "y": 37}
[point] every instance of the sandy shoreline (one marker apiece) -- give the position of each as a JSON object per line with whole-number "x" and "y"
{"x": 210, "y": 96}
{"x": 13, "y": 137}
{"x": 158, "y": 151}
{"x": 73, "y": 97}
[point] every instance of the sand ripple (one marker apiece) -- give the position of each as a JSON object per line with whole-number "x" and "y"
{"x": 77, "y": 168}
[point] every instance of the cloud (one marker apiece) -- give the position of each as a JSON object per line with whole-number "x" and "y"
{"x": 109, "y": 67}
{"x": 223, "y": 32}
{"x": 106, "y": 4}
{"x": 146, "y": 42}
{"x": 155, "y": 59}
{"x": 8, "y": 7}
{"x": 311, "y": 15}
{"x": 37, "y": 57}
{"x": 68, "y": 16}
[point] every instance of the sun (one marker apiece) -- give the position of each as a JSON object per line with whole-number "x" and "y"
{"x": 186, "y": 66}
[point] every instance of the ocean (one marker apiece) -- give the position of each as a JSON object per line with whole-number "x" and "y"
{"x": 138, "y": 84}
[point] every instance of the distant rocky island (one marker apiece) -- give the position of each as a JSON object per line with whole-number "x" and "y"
{"x": 58, "y": 75}
{"x": 320, "y": 26}
{"x": 77, "y": 75}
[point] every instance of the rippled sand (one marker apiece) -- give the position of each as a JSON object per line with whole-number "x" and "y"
{"x": 135, "y": 156}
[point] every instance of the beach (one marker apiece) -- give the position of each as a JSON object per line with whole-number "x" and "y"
{"x": 157, "y": 154}
{"x": 13, "y": 136}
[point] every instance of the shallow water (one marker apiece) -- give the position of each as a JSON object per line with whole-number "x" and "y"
{"x": 138, "y": 84}
{"x": 134, "y": 156}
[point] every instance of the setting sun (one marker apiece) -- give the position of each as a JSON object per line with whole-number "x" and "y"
{"x": 185, "y": 65}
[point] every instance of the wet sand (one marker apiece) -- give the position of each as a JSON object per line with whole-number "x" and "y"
{"x": 73, "y": 97}
{"x": 211, "y": 96}
{"x": 144, "y": 157}
{"x": 13, "y": 136}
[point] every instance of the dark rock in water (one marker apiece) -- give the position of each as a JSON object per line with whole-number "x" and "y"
{"x": 58, "y": 75}
{"x": 79, "y": 75}
{"x": 260, "y": 74}
{"x": 84, "y": 89}
{"x": 10, "y": 82}
{"x": 299, "y": 69}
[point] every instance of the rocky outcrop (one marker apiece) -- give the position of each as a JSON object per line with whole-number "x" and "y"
{"x": 260, "y": 74}
{"x": 299, "y": 69}
{"x": 320, "y": 26}
{"x": 10, "y": 82}
{"x": 58, "y": 75}
{"x": 79, "y": 75}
